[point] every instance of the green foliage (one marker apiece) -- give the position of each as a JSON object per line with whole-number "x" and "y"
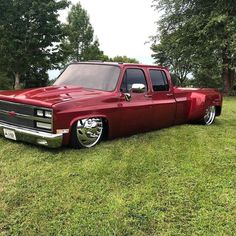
{"x": 172, "y": 52}
{"x": 175, "y": 181}
{"x": 36, "y": 77}
{"x": 5, "y": 81}
{"x": 124, "y": 59}
{"x": 79, "y": 43}
{"x": 199, "y": 34}
{"x": 30, "y": 33}
{"x": 233, "y": 92}
{"x": 207, "y": 77}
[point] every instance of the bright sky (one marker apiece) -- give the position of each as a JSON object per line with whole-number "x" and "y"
{"x": 123, "y": 27}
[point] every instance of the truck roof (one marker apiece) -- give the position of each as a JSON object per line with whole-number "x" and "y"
{"x": 121, "y": 64}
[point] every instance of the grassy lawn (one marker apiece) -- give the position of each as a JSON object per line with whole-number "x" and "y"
{"x": 175, "y": 181}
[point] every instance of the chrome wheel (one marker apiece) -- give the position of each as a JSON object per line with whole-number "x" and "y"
{"x": 209, "y": 116}
{"x": 89, "y": 131}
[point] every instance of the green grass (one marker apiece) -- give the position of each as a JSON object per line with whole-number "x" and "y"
{"x": 175, "y": 181}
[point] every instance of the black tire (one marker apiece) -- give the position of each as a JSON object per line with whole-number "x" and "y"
{"x": 86, "y": 133}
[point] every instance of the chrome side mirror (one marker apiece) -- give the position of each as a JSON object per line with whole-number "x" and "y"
{"x": 138, "y": 88}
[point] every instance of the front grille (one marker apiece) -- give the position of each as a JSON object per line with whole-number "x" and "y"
{"x": 17, "y": 107}
{"x": 23, "y": 115}
{"x": 14, "y": 120}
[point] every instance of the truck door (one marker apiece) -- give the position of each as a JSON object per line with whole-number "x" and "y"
{"x": 135, "y": 106}
{"x": 164, "y": 103}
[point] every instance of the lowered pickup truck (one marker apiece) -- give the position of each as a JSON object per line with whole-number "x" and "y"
{"x": 90, "y": 101}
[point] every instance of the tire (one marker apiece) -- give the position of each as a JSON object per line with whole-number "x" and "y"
{"x": 209, "y": 116}
{"x": 86, "y": 133}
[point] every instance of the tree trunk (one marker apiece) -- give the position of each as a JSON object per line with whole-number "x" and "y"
{"x": 232, "y": 79}
{"x": 17, "y": 81}
{"x": 228, "y": 74}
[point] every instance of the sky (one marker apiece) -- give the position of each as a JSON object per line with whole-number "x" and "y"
{"x": 122, "y": 27}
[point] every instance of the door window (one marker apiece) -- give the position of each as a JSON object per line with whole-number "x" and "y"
{"x": 133, "y": 76}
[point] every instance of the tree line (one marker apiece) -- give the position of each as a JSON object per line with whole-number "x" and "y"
{"x": 33, "y": 41}
{"x": 196, "y": 40}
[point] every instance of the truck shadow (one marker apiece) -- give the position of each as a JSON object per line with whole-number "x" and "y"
{"x": 64, "y": 149}
{"x": 217, "y": 122}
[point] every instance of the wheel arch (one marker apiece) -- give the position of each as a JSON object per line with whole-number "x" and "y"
{"x": 104, "y": 118}
{"x": 199, "y": 103}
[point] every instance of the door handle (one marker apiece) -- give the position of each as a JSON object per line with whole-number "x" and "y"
{"x": 169, "y": 94}
{"x": 148, "y": 95}
{"x": 127, "y": 97}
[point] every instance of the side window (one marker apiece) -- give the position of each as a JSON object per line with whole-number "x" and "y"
{"x": 159, "y": 80}
{"x": 133, "y": 76}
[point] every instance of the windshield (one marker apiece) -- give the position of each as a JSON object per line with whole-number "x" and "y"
{"x": 92, "y": 76}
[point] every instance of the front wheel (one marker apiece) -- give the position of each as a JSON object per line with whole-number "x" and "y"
{"x": 87, "y": 133}
{"x": 209, "y": 116}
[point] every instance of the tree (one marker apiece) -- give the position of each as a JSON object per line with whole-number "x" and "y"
{"x": 124, "y": 59}
{"x": 79, "y": 43}
{"x": 5, "y": 81}
{"x": 172, "y": 53}
{"x": 35, "y": 77}
{"x": 208, "y": 29}
{"x": 30, "y": 33}
{"x": 93, "y": 52}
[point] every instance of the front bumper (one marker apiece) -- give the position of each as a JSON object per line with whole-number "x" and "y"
{"x": 33, "y": 136}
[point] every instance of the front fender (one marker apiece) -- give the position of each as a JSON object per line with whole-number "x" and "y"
{"x": 75, "y": 119}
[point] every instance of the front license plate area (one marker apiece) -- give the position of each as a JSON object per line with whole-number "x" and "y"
{"x": 10, "y": 134}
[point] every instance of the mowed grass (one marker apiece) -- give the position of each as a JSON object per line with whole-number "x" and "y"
{"x": 175, "y": 181}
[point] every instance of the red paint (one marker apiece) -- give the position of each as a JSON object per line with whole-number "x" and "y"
{"x": 145, "y": 111}
{"x": 11, "y": 113}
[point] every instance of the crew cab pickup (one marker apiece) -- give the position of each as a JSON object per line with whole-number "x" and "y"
{"x": 93, "y": 100}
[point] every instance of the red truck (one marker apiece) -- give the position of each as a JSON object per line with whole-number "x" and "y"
{"x": 91, "y": 101}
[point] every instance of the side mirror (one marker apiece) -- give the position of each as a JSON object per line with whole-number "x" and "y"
{"x": 138, "y": 88}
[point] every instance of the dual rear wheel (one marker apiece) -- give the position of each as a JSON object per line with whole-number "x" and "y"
{"x": 209, "y": 116}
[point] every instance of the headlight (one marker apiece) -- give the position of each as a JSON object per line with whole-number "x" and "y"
{"x": 40, "y": 113}
{"x": 48, "y": 114}
{"x": 44, "y": 113}
{"x": 43, "y": 118}
{"x": 43, "y": 125}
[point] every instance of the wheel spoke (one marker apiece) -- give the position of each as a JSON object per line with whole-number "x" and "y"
{"x": 89, "y": 131}
{"x": 209, "y": 115}
{"x": 83, "y": 136}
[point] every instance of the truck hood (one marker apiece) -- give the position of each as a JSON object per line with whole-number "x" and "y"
{"x": 49, "y": 96}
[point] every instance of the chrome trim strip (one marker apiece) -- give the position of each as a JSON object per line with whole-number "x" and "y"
{"x": 28, "y": 105}
{"x": 33, "y": 136}
{"x": 27, "y": 117}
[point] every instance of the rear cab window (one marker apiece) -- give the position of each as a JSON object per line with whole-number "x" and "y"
{"x": 159, "y": 80}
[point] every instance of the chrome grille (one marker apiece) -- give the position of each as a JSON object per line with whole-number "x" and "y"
{"x": 14, "y": 120}
{"x": 22, "y": 115}
{"x": 17, "y": 107}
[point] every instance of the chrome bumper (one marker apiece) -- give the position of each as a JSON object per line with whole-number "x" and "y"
{"x": 33, "y": 136}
